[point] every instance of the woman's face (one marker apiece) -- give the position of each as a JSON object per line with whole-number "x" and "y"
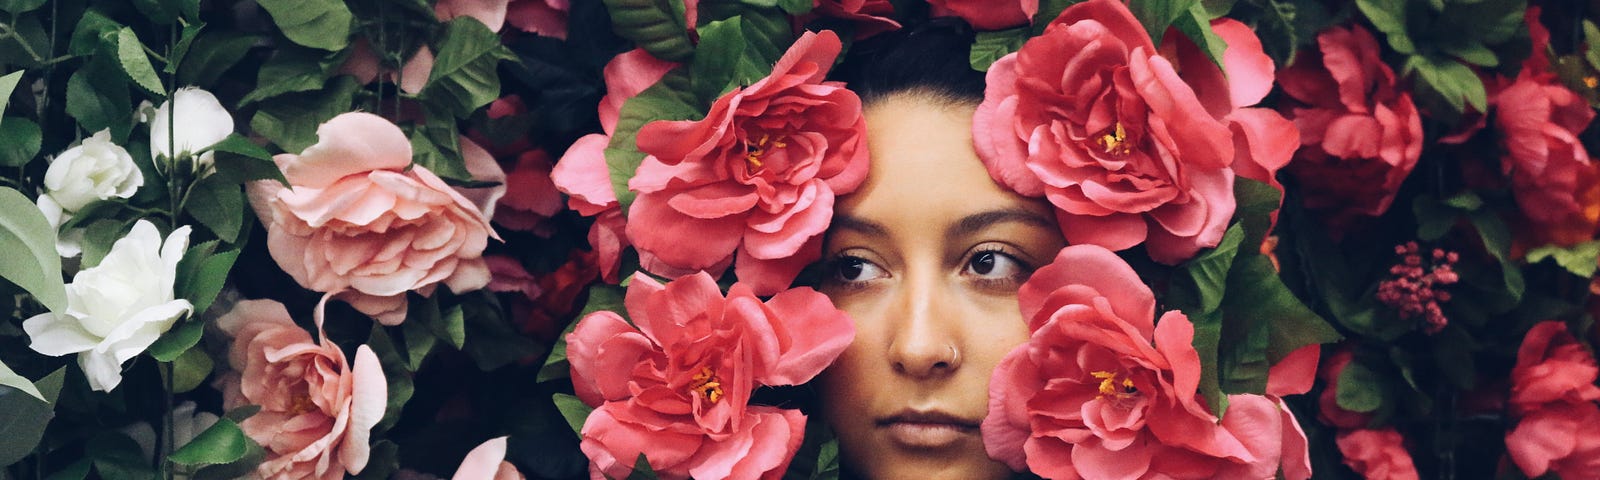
{"x": 927, "y": 257}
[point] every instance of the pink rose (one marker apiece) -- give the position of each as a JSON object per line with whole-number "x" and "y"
{"x": 1361, "y": 132}
{"x": 1329, "y": 410}
{"x": 487, "y": 462}
{"x": 1552, "y": 367}
{"x": 870, "y": 17}
{"x": 1101, "y": 391}
{"x": 1558, "y": 438}
{"x": 364, "y": 223}
{"x": 988, "y": 14}
{"x": 507, "y": 275}
{"x": 1091, "y": 116}
{"x": 531, "y": 196}
{"x": 1376, "y": 454}
{"x": 582, "y": 173}
{"x": 366, "y": 67}
{"x": 754, "y": 182}
{"x": 317, "y": 410}
{"x": 1539, "y": 120}
{"x": 544, "y": 17}
{"x": 677, "y": 382}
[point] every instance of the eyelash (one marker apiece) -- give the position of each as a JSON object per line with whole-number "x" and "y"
{"x": 1024, "y": 269}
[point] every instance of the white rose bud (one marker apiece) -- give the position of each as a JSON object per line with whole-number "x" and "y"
{"x": 94, "y": 170}
{"x": 116, "y": 309}
{"x": 198, "y": 123}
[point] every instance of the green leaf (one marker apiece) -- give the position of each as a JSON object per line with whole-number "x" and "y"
{"x": 1243, "y": 351}
{"x": 97, "y": 97}
{"x": 177, "y": 341}
{"x": 1472, "y": 51}
{"x": 98, "y": 237}
{"x": 662, "y": 101}
{"x": 1204, "y": 279}
{"x": 1215, "y": 9}
{"x": 202, "y": 286}
{"x": 291, "y": 70}
{"x": 9, "y": 378}
{"x": 135, "y": 63}
{"x": 320, "y": 24}
{"x": 218, "y": 205}
{"x": 1496, "y": 238}
{"x": 1207, "y": 342}
{"x": 25, "y": 418}
{"x": 181, "y": 49}
{"x": 1579, "y": 259}
{"x": 239, "y": 160}
{"x": 989, "y": 47}
{"x": 724, "y": 59}
{"x": 8, "y": 83}
{"x": 1453, "y": 350}
{"x": 401, "y": 385}
{"x": 29, "y": 241}
{"x": 223, "y": 443}
{"x": 1195, "y": 25}
{"x": 1447, "y": 83}
{"x": 190, "y": 370}
{"x": 795, "y": 7}
{"x": 419, "y": 343}
{"x": 19, "y": 141}
{"x": 20, "y": 6}
{"x": 495, "y": 342}
{"x": 642, "y": 470}
{"x": 572, "y": 409}
{"x": 654, "y": 25}
{"x": 1360, "y": 389}
{"x": 1157, "y": 15}
{"x": 452, "y": 327}
{"x": 1591, "y": 39}
{"x": 78, "y": 470}
{"x": 464, "y": 75}
{"x": 87, "y": 36}
{"x": 1390, "y": 18}
{"x": 1465, "y": 201}
{"x": 212, "y": 55}
{"x": 1255, "y": 290}
{"x": 382, "y": 463}
{"x": 116, "y": 456}
{"x": 1257, "y": 202}
{"x": 291, "y": 122}
{"x": 602, "y": 297}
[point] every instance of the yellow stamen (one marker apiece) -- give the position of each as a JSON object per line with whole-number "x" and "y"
{"x": 1116, "y": 142}
{"x": 754, "y": 151}
{"x": 1109, "y": 384}
{"x": 707, "y": 384}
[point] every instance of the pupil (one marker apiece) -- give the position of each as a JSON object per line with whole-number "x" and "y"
{"x": 983, "y": 264}
{"x": 850, "y": 268}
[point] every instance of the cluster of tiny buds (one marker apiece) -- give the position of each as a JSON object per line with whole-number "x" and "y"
{"x": 1416, "y": 288}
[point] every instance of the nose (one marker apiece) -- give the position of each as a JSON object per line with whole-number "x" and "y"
{"x": 925, "y": 346}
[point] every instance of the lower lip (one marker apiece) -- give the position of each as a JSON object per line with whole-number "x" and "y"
{"x": 927, "y": 435}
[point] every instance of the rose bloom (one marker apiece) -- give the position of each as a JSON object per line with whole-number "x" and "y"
{"x": 94, "y": 170}
{"x": 531, "y": 196}
{"x": 676, "y": 384}
{"x": 1362, "y": 133}
{"x": 1557, "y": 438}
{"x": 1376, "y": 454}
{"x": 1093, "y": 117}
{"x": 117, "y": 308}
{"x": 544, "y": 17}
{"x": 988, "y": 14}
{"x": 364, "y": 223}
{"x": 1329, "y": 410}
{"x": 193, "y": 120}
{"x": 487, "y": 462}
{"x": 582, "y": 173}
{"x": 1552, "y": 366}
{"x": 1554, "y": 394}
{"x": 754, "y": 182}
{"x": 317, "y": 409}
{"x": 870, "y": 17}
{"x": 1100, "y": 391}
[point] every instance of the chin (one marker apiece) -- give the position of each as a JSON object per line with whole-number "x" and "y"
{"x": 898, "y": 465}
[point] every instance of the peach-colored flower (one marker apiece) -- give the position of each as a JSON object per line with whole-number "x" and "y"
{"x": 582, "y": 173}
{"x": 364, "y": 223}
{"x": 1376, "y": 454}
{"x": 1361, "y": 133}
{"x": 754, "y": 182}
{"x": 676, "y": 383}
{"x": 317, "y": 410}
{"x": 487, "y": 462}
{"x": 1102, "y": 391}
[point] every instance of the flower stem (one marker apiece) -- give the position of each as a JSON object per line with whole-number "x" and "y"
{"x": 166, "y": 444}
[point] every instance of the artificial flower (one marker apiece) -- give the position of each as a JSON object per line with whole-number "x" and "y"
{"x": 118, "y": 307}
{"x": 364, "y": 65}
{"x": 1091, "y": 116}
{"x": 94, "y": 170}
{"x": 754, "y": 182}
{"x": 1557, "y": 438}
{"x": 191, "y": 121}
{"x": 676, "y": 383}
{"x": 544, "y": 17}
{"x": 531, "y": 196}
{"x": 1376, "y": 454}
{"x": 1102, "y": 391}
{"x": 317, "y": 409}
{"x": 988, "y": 14}
{"x": 1361, "y": 133}
{"x": 364, "y": 223}
{"x": 1552, "y": 366}
{"x": 487, "y": 462}
{"x": 1328, "y": 409}
{"x": 582, "y": 173}
{"x": 870, "y": 17}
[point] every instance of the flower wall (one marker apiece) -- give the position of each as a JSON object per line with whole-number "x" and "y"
{"x": 572, "y": 239}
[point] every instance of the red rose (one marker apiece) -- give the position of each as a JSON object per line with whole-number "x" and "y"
{"x": 753, "y": 182}
{"x": 1362, "y": 134}
{"x": 1553, "y": 392}
{"x": 987, "y": 14}
{"x": 1552, "y": 367}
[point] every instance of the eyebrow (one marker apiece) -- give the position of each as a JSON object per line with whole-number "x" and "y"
{"x": 968, "y": 225}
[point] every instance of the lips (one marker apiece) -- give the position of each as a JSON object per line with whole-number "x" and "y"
{"x": 927, "y": 429}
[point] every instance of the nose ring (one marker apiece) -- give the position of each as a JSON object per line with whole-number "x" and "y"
{"x": 955, "y": 356}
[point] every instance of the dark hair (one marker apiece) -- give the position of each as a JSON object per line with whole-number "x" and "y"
{"x": 930, "y": 58}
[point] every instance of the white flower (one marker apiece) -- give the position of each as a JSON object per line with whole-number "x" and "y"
{"x": 94, "y": 170}
{"x": 116, "y": 309}
{"x": 199, "y": 122}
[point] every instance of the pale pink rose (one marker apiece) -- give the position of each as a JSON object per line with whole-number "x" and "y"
{"x": 531, "y": 195}
{"x": 1558, "y": 438}
{"x": 366, "y": 67}
{"x": 487, "y": 462}
{"x": 676, "y": 383}
{"x": 582, "y": 173}
{"x": 754, "y": 182}
{"x": 1376, "y": 454}
{"x": 1094, "y": 118}
{"x": 1552, "y": 367}
{"x": 1361, "y": 133}
{"x": 988, "y": 14}
{"x": 364, "y": 223}
{"x": 1100, "y": 390}
{"x": 317, "y": 410}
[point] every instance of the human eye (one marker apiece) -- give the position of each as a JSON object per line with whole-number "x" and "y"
{"x": 849, "y": 269}
{"x": 995, "y": 267}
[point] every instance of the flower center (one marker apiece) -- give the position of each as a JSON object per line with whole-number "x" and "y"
{"x": 299, "y": 404}
{"x": 1110, "y": 387}
{"x": 1115, "y": 141}
{"x": 707, "y": 384}
{"x": 754, "y": 151}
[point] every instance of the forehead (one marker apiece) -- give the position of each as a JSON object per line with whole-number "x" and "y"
{"x": 923, "y": 168}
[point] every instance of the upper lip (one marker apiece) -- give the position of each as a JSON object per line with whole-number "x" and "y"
{"x": 928, "y": 416}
